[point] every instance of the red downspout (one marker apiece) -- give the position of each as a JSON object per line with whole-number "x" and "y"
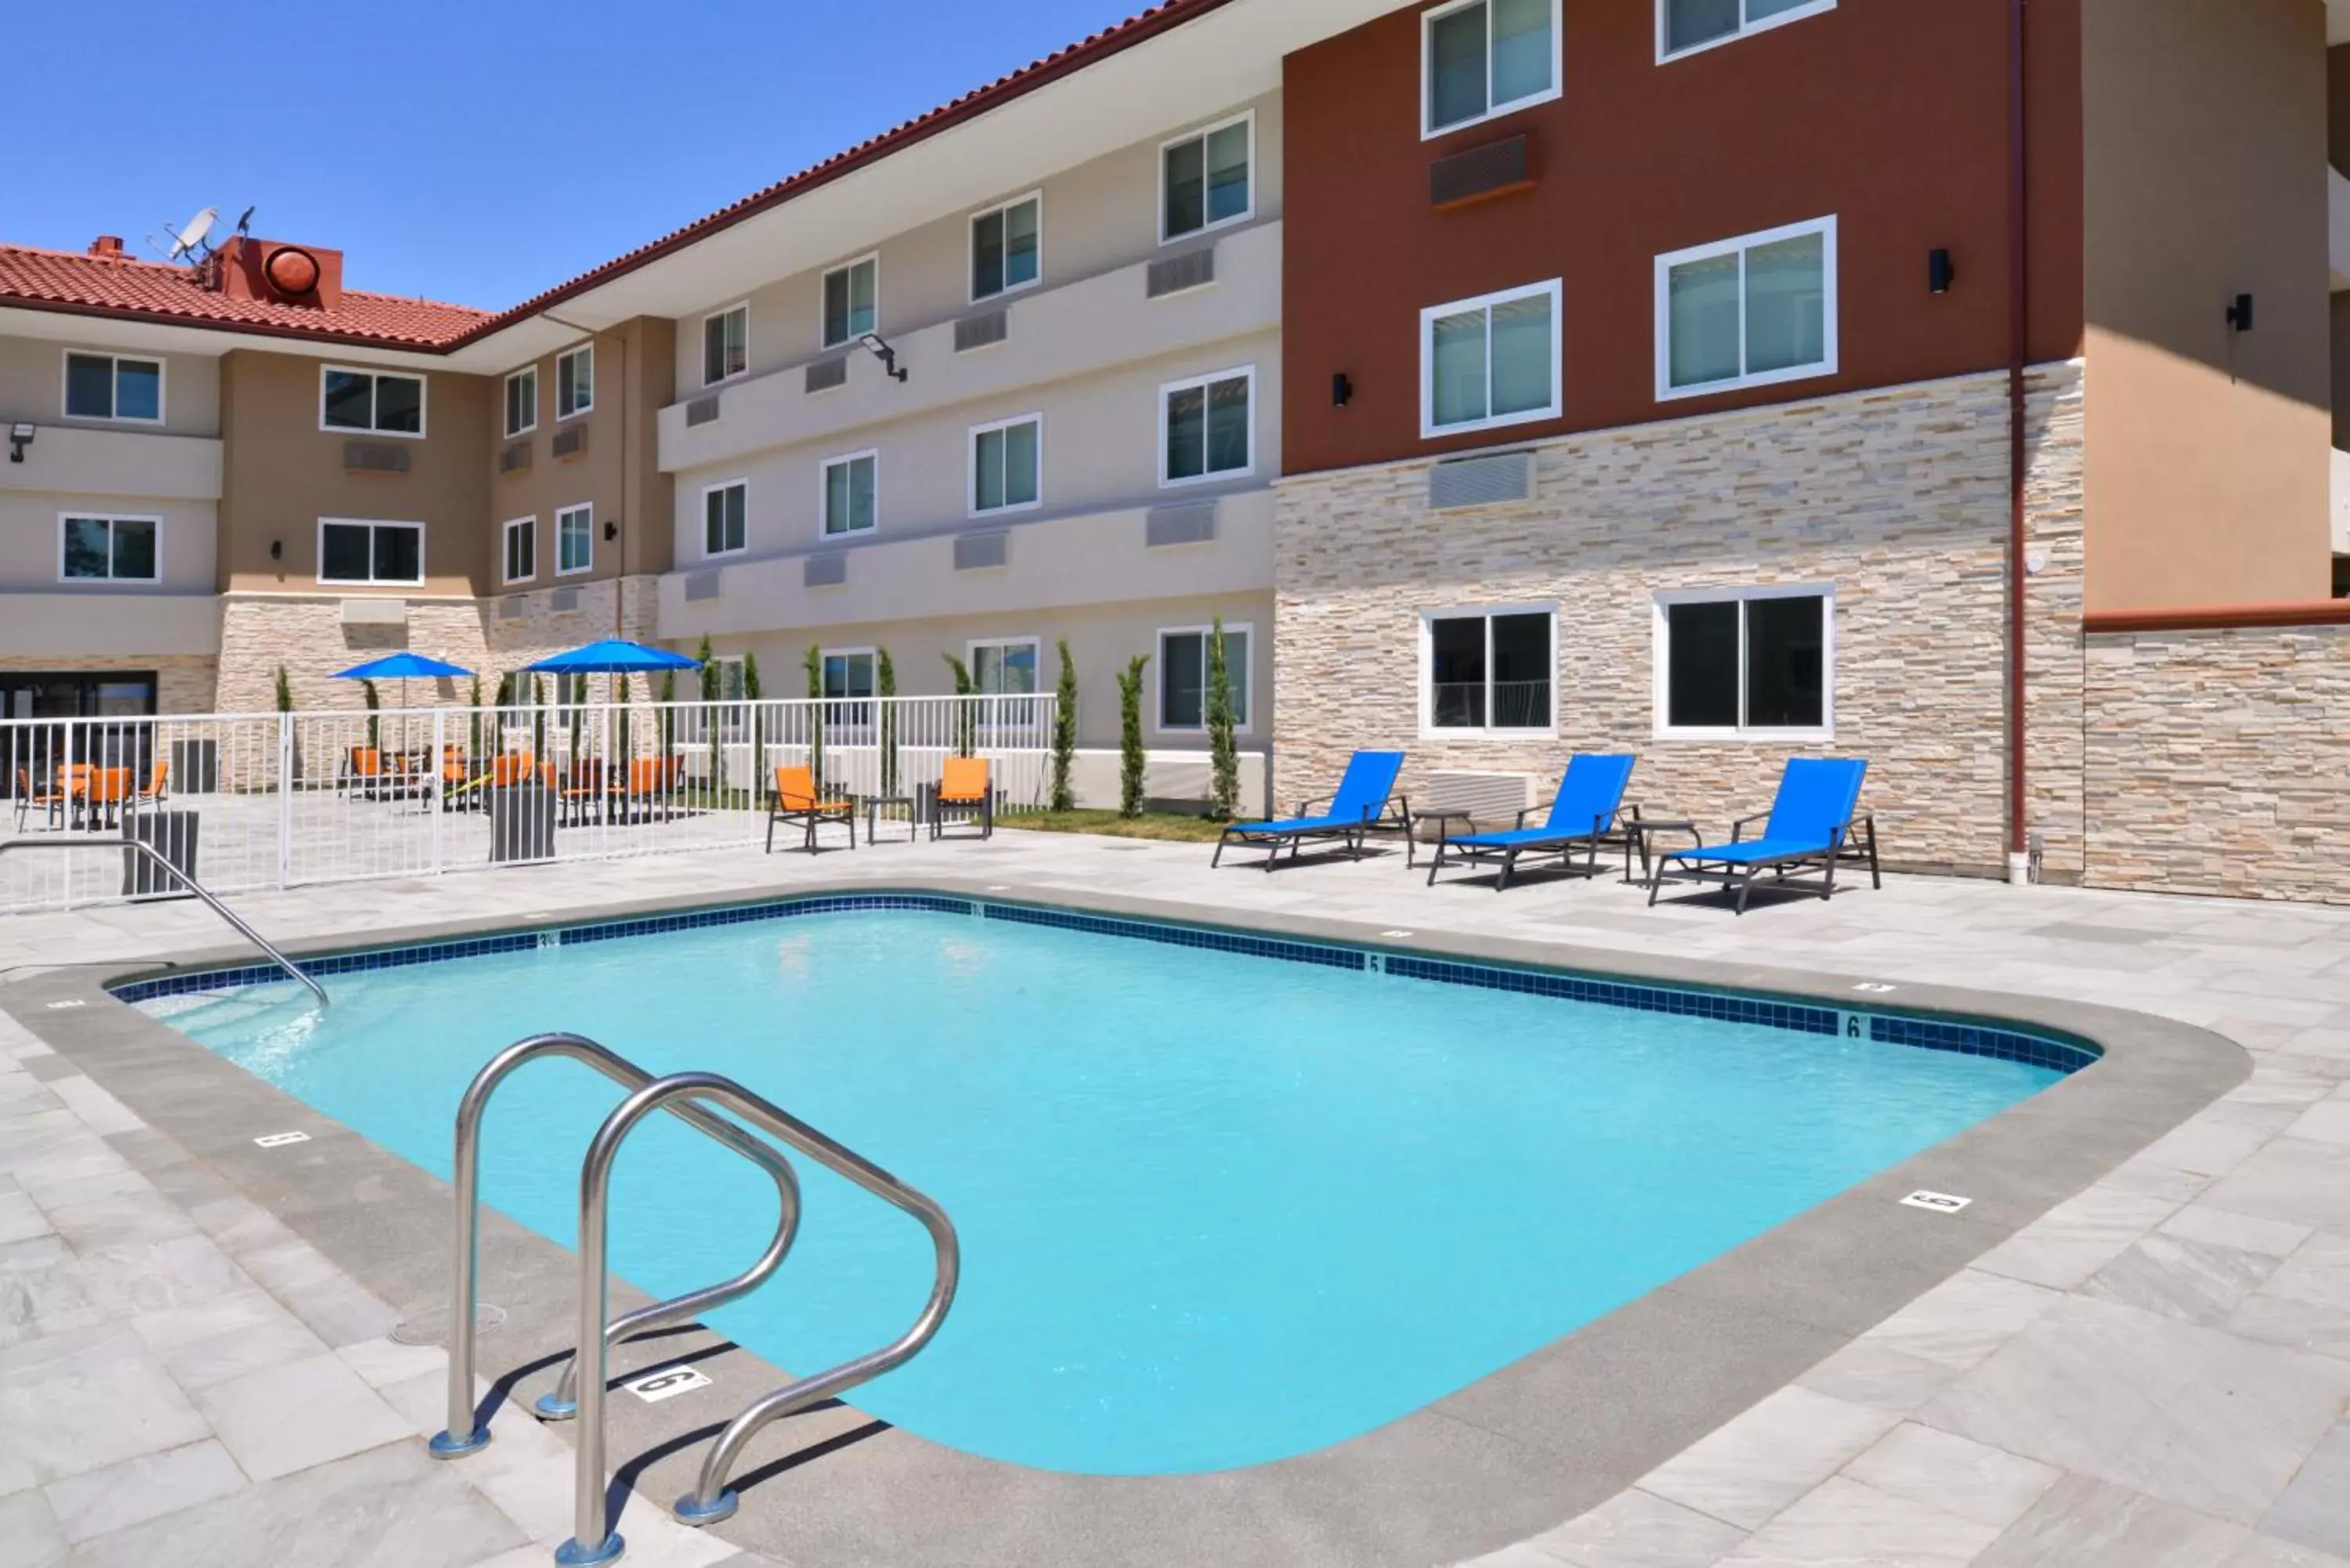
{"x": 2019, "y": 350}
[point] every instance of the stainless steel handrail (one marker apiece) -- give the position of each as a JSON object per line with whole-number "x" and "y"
{"x": 465, "y": 1264}
{"x": 592, "y": 1539}
{"x": 184, "y": 880}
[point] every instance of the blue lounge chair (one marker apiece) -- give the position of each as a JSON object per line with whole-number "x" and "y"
{"x": 1812, "y": 826}
{"x": 1360, "y": 806}
{"x": 1590, "y": 800}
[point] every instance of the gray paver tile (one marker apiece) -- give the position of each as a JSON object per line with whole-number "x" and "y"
{"x": 2316, "y": 1509}
{"x": 384, "y": 1362}
{"x": 294, "y": 1415}
{"x": 2298, "y": 1179}
{"x": 2224, "y": 1228}
{"x": 31, "y": 1531}
{"x": 1964, "y": 1319}
{"x": 2085, "y": 1523}
{"x": 226, "y": 1338}
{"x": 2072, "y": 1241}
{"x": 2170, "y": 1274}
{"x": 2265, "y": 1551}
{"x": 1845, "y": 1525}
{"x": 76, "y": 1402}
{"x": 142, "y": 1488}
{"x": 1764, "y": 1459}
{"x": 1636, "y": 1529}
{"x": 99, "y": 1111}
{"x": 1871, "y": 1372}
{"x": 1954, "y": 1474}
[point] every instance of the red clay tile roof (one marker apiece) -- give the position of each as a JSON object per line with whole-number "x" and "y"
{"x": 63, "y": 280}
{"x": 151, "y": 291}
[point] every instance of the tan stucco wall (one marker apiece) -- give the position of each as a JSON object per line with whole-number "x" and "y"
{"x": 33, "y": 386}
{"x": 283, "y": 474}
{"x": 32, "y": 542}
{"x": 2206, "y": 129}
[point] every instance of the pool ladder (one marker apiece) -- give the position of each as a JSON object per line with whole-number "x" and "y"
{"x": 696, "y": 1099}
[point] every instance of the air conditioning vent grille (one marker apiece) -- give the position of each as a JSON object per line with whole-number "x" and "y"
{"x": 1193, "y": 523}
{"x": 824, "y": 374}
{"x": 977, "y": 552}
{"x": 824, "y": 571}
{"x": 513, "y": 607}
{"x": 702, "y": 410}
{"x": 367, "y": 457}
{"x": 566, "y": 600}
{"x": 571, "y": 442}
{"x": 1192, "y": 269}
{"x": 978, "y": 331}
{"x": 1482, "y": 481}
{"x": 1492, "y": 169}
{"x": 701, "y": 587}
{"x": 515, "y": 458}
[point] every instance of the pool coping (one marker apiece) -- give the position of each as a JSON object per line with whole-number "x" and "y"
{"x": 1532, "y": 1444}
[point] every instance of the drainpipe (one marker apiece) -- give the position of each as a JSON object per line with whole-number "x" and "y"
{"x": 2019, "y": 860}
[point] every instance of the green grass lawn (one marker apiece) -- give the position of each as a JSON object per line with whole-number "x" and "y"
{"x": 1158, "y": 825}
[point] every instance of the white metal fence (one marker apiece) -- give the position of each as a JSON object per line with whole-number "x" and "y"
{"x": 280, "y": 800}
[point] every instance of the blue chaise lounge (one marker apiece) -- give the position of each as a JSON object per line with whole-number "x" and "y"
{"x": 1812, "y": 826}
{"x": 1584, "y": 817}
{"x": 1360, "y": 806}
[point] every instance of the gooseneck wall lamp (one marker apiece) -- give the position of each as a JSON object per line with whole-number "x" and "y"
{"x": 20, "y": 436}
{"x": 883, "y": 352}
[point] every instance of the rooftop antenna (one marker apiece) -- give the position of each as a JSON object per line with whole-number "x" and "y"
{"x": 245, "y": 224}
{"x": 188, "y": 240}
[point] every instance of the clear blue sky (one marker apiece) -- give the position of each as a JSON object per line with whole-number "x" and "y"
{"x": 469, "y": 152}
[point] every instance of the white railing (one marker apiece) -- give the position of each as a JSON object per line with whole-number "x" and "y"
{"x": 282, "y": 800}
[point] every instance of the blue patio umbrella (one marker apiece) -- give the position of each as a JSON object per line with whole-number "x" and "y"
{"x": 399, "y": 667}
{"x": 612, "y": 656}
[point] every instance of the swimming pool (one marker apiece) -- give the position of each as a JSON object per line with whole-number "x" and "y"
{"x": 1222, "y": 1198}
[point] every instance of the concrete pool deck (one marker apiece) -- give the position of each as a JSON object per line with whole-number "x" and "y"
{"x": 2151, "y": 1372}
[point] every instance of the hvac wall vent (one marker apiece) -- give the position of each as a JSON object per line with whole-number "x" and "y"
{"x": 1482, "y": 481}
{"x": 1496, "y": 169}
{"x": 515, "y": 458}
{"x": 367, "y": 457}
{"x": 826, "y": 374}
{"x": 1193, "y": 523}
{"x": 571, "y": 442}
{"x": 825, "y": 571}
{"x": 702, "y": 410}
{"x": 1192, "y": 269}
{"x": 566, "y": 601}
{"x": 1494, "y": 798}
{"x": 375, "y": 612}
{"x": 701, "y": 587}
{"x": 977, "y": 552}
{"x": 513, "y": 607}
{"x": 978, "y": 331}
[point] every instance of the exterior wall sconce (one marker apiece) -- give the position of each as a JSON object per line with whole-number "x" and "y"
{"x": 20, "y": 436}
{"x": 2240, "y": 314}
{"x": 612, "y": 529}
{"x": 883, "y": 352}
{"x": 1940, "y": 272}
{"x": 1342, "y": 390}
{"x": 277, "y": 549}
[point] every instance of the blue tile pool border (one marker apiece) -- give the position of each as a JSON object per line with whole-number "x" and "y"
{"x": 1959, "y": 1037}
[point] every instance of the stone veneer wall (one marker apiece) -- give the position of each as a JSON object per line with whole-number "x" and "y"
{"x": 1897, "y": 498}
{"x": 306, "y": 633}
{"x": 184, "y": 681}
{"x": 2219, "y": 763}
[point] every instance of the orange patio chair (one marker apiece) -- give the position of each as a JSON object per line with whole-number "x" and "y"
{"x": 653, "y": 783}
{"x": 796, "y": 802}
{"x": 51, "y": 801}
{"x": 159, "y": 778}
{"x": 966, "y": 793}
{"x": 366, "y": 770}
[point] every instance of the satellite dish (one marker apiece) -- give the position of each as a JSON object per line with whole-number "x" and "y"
{"x": 191, "y": 235}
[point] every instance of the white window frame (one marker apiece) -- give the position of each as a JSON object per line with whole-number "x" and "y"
{"x": 583, "y": 351}
{"x": 1429, "y": 129}
{"x": 109, "y": 519}
{"x": 1246, "y": 117}
{"x": 1428, "y": 428}
{"x": 1242, "y": 686}
{"x": 423, "y": 403}
{"x": 1829, "y": 341}
{"x": 1220, "y": 476}
{"x": 971, "y": 249}
{"x": 371, "y": 523}
{"x": 1661, "y": 642}
{"x": 971, "y": 660}
{"x": 114, "y": 388}
{"x": 589, "y": 508}
{"x": 824, "y": 494}
{"x": 1745, "y": 29}
{"x": 505, "y": 402}
{"x": 1428, "y": 729}
{"x": 703, "y": 518}
{"x": 824, "y": 654}
{"x": 824, "y": 282}
{"x": 506, "y": 549}
{"x": 971, "y": 507}
{"x": 702, "y": 342}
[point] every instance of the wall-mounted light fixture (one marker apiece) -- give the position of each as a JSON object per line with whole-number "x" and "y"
{"x": 20, "y": 436}
{"x": 1342, "y": 390}
{"x": 277, "y": 549}
{"x": 883, "y": 352}
{"x": 2240, "y": 313}
{"x": 612, "y": 529}
{"x": 1940, "y": 272}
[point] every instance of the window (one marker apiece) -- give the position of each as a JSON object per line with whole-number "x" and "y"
{"x": 574, "y": 380}
{"x": 522, "y": 550}
{"x": 1754, "y": 661}
{"x": 1004, "y": 668}
{"x": 725, "y": 512}
{"x": 848, "y": 672}
{"x": 851, "y": 301}
{"x": 1490, "y": 363}
{"x": 1748, "y": 312}
{"x": 353, "y": 552}
{"x": 1205, "y": 430}
{"x": 1007, "y": 464}
{"x": 1488, "y": 670}
{"x": 574, "y": 540}
{"x": 1684, "y": 26}
{"x": 377, "y": 402}
{"x": 725, "y": 344}
{"x": 1006, "y": 248}
{"x": 1203, "y": 180}
{"x": 108, "y": 549}
{"x": 848, "y": 498}
{"x": 110, "y": 387}
{"x": 1484, "y": 58}
{"x": 522, "y": 401}
{"x": 1183, "y": 675}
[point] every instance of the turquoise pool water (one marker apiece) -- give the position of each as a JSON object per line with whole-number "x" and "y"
{"x": 1216, "y": 1209}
